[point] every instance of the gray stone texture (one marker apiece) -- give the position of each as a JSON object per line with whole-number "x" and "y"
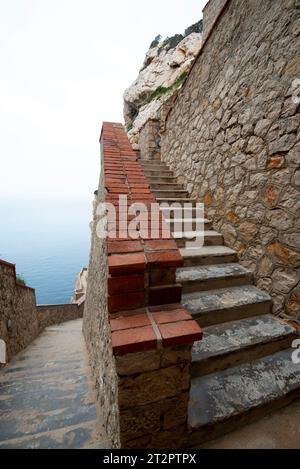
{"x": 232, "y": 137}
{"x": 18, "y": 314}
{"x": 48, "y": 315}
{"x": 153, "y": 397}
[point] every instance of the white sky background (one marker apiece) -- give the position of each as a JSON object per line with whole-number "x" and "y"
{"x": 64, "y": 65}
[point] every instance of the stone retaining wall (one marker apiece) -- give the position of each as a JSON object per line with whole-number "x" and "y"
{"x": 18, "y": 315}
{"x": 233, "y": 138}
{"x": 21, "y": 320}
{"x": 49, "y": 315}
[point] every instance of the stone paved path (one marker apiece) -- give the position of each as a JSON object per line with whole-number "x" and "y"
{"x": 46, "y": 394}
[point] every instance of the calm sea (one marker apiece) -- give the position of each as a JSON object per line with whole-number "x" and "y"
{"x": 48, "y": 240}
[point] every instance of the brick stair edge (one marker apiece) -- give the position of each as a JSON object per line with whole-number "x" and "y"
{"x": 141, "y": 272}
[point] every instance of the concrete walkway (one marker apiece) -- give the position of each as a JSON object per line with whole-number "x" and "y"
{"x": 46, "y": 394}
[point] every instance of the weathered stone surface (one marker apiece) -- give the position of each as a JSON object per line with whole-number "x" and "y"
{"x": 265, "y": 267}
{"x": 17, "y": 305}
{"x": 97, "y": 332}
{"x": 241, "y": 389}
{"x": 175, "y": 411}
{"x": 138, "y": 362}
{"x": 176, "y": 355}
{"x": 270, "y": 196}
{"x": 247, "y": 230}
{"x": 265, "y": 284}
{"x": 48, "y": 396}
{"x": 280, "y": 219}
{"x": 276, "y": 161}
{"x": 153, "y": 386}
{"x": 254, "y": 174}
{"x": 139, "y": 421}
{"x": 56, "y": 314}
{"x": 283, "y": 254}
{"x": 293, "y": 304}
{"x": 284, "y": 280}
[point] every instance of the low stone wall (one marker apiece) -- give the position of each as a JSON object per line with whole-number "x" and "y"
{"x": 48, "y": 315}
{"x": 18, "y": 315}
{"x": 21, "y": 320}
{"x": 233, "y": 139}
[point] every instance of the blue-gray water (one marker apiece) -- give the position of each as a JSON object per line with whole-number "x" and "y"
{"x": 48, "y": 240}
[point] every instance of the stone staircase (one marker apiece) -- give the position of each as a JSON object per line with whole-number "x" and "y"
{"x": 243, "y": 366}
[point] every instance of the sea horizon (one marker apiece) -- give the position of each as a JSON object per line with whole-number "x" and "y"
{"x": 48, "y": 238}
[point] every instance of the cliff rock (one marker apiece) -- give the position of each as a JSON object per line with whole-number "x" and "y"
{"x": 165, "y": 66}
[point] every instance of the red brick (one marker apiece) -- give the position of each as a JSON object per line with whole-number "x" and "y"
{"x": 116, "y": 180}
{"x": 126, "y": 263}
{"x": 133, "y": 340}
{"x": 139, "y": 185}
{"x": 139, "y": 179}
{"x": 129, "y": 322}
{"x": 130, "y": 312}
{"x": 180, "y": 333}
{"x": 161, "y": 245}
{"x": 164, "y": 259}
{"x": 156, "y": 234}
{"x": 141, "y": 191}
{"x": 128, "y": 283}
{"x": 120, "y": 247}
{"x": 165, "y": 295}
{"x": 130, "y": 300}
{"x": 175, "y": 315}
{"x": 122, "y": 236}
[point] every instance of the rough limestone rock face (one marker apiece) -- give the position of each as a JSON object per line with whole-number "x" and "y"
{"x": 165, "y": 67}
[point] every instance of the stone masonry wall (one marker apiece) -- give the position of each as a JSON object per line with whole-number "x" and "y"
{"x": 49, "y": 315}
{"x": 233, "y": 137}
{"x": 153, "y": 397}
{"x": 17, "y": 304}
{"x": 149, "y": 141}
{"x": 210, "y": 13}
{"x": 96, "y": 330}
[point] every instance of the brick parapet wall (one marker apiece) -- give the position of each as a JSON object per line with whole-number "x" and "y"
{"x": 146, "y": 316}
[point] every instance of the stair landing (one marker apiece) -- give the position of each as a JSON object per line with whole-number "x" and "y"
{"x": 47, "y": 398}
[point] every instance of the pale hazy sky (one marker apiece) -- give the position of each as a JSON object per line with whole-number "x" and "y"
{"x": 64, "y": 67}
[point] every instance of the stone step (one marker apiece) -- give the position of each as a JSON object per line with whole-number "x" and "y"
{"x": 177, "y": 200}
{"x": 211, "y": 277}
{"x": 222, "y": 401}
{"x": 232, "y": 343}
{"x": 156, "y": 165}
{"x": 161, "y": 179}
{"x": 202, "y": 238}
{"x": 170, "y": 193}
{"x": 226, "y": 304}
{"x": 166, "y": 186}
{"x": 193, "y": 224}
{"x": 179, "y": 212}
{"x": 158, "y": 172}
{"x": 208, "y": 255}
